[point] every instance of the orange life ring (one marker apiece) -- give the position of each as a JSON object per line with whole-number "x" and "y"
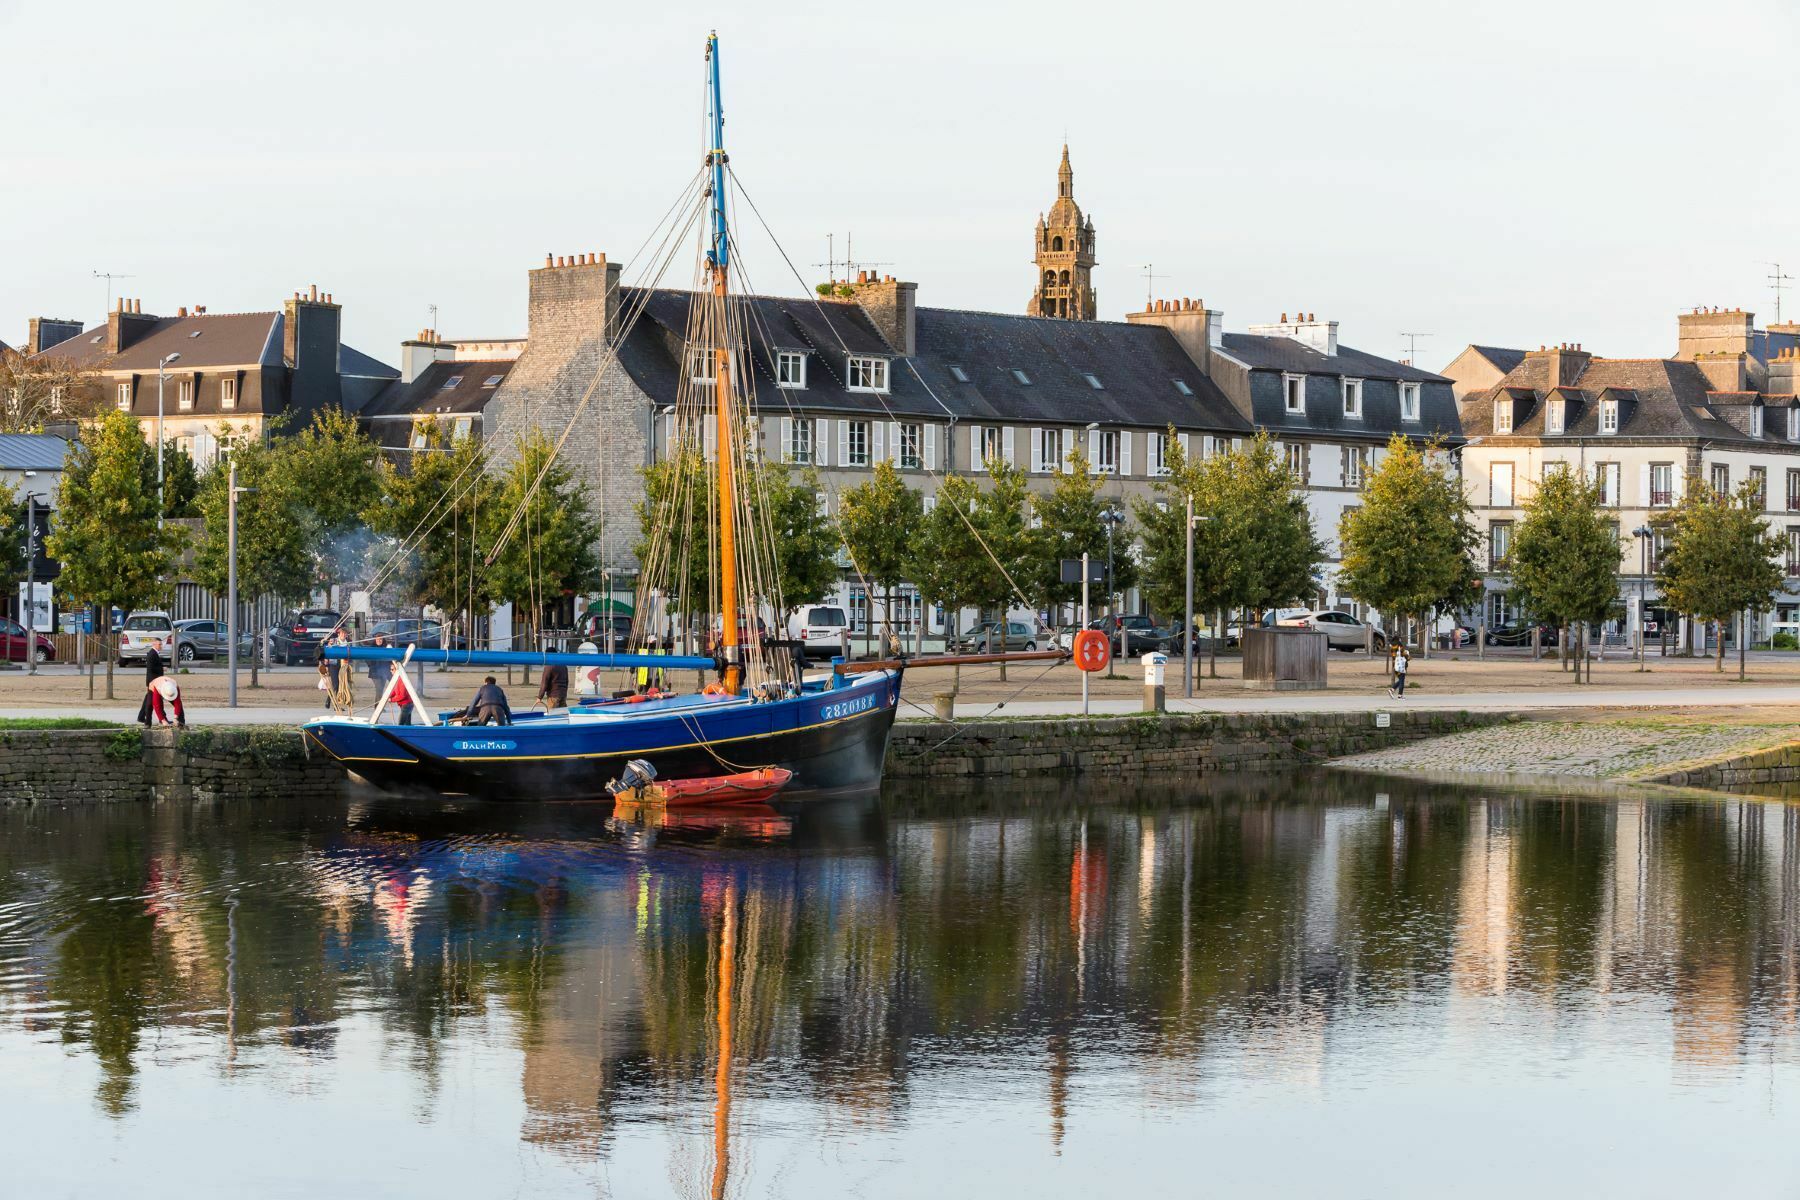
{"x": 1093, "y": 650}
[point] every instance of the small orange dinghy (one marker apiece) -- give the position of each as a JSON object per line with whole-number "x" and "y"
{"x": 639, "y": 785}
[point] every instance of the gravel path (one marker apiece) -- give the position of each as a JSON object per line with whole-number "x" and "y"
{"x": 1590, "y": 749}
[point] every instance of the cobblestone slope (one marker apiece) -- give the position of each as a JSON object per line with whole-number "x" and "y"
{"x": 1588, "y": 749}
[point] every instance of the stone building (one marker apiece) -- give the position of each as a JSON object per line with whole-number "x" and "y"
{"x": 1721, "y": 410}
{"x": 1064, "y": 253}
{"x": 449, "y": 383}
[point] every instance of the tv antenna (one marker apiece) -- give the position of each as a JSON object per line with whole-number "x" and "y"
{"x": 850, "y": 262}
{"x": 109, "y": 276}
{"x": 1150, "y": 278}
{"x": 1412, "y": 347}
{"x": 433, "y": 326}
{"x": 1779, "y": 281}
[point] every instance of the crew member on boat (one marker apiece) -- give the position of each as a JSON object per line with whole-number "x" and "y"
{"x": 489, "y": 707}
{"x": 553, "y": 687}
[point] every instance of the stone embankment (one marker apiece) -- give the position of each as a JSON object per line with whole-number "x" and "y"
{"x": 83, "y": 765}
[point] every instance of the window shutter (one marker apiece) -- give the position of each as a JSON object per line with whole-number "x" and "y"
{"x": 877, "y": 448}
{"x": 1643, "y": 485}
{"x": 1037, "y": 451}
{"x": 974, "y": 447}
{"x": 931, "y": 502}
{"x": 1677, "y": 483}
{"x": 709, "y": 438}
{"x": 669, "y": 436}
{"x": 1093, "y": 451}
{"x": 1006, "y": 444}
{"x": 787, "y": 439}
{"x": 821, "y": 442}
{"x": 893, "y": 441}
{"x": 844, "y": 443}
{"x": 931, "y": 447}
{"x": 1187, "y": 446}
{"x": 1069, "y": 444}
{"x": 1124, "y": 451}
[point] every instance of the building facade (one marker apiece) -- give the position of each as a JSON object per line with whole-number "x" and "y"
{"x": 443, "y": 383}
{"x": 1064, "y": 252}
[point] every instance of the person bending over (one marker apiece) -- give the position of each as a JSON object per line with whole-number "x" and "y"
{"x": 489, "y": 706}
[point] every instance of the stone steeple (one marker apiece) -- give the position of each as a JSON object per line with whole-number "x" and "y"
{"x": 1064, "y": 253}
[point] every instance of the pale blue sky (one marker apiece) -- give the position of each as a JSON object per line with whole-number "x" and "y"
{"x": 1515, "y": 174}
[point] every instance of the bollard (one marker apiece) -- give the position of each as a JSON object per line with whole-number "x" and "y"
{"x": 944, "y": 705}
{"x": 1154, "y": 696}
{"x": 1481, "y": 640}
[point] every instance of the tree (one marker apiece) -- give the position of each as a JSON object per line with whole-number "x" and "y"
{"x": 806, "y": 543}
{"x": 881, "y": 522}
{"x": 435, "y": 518}
{"x": 1564, "y": 560}
{"x": 1009, "y": 552}
{"x": 337, "y": 468}
{"x": 1409, "y": 548}
{"x": 1721, "y": 557}
{"x": 13, "y": 536}
{"x": 1070, "y": 526}
{"x": 181, "y": 481}
{"x": 947, "y": 561}
{"x": 675, "y": 543}
{"x": 106, "y": 533}
{"x": 37, "y": 391}
{"x": 273, "y": 555}
{"x": 551, "y": 550}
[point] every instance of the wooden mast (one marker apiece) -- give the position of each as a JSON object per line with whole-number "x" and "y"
{"x": 720, "y": 261}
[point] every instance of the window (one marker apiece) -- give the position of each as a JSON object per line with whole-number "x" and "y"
{"x": 1296, "y": 460}
{"x": 790, "y": 369}
{"x": 184, "y": 394}
{"x": 1049, "y": 453}
{"x": 492, "y": 381}
{"x": 1182, "y": 387}
{"x": 1093, "y": 381}
{"x": 1793, "y": 489}
{"x": 1606, "y": 474}
{"x": 1609, "y": 416}
{"x": 1352, "y": 389}
{"x": 1355, "y": 465}
{"x": 799, "y": 448}
{"x": 912, "y": 436}
{"x": 990, "y": 443}
{"x": 1159, "y": 454}
{"x": 1106, "y": 452}
{"x": 1793, "y": 415}
{"x": 1503, "y": 416}
{"x": 1759, "y": 484}
{"x": 56, "y": 398}
{"x": 1409, "y": 401}
{"x": 1500, "y": 484}
{"x": 1021, "y": 378}
{"x": 419, "y": 435}
{"x": 227, "y": 393}
{"x": 703, "y": 363}
{"x": 868, "y": 374}
{"x": 856, "y": 444}
{"x": 461, "y": 428}
{"x": 1793, "y": 551}
{"x": 1294, "y": 389}
{"x": 1756, "y": 420}
{"x": 453, "y": 382}
{"x": 125, "y": 397}
{"x": 1662, "y": 484}
{"x": 1216, "y": 446}
{"x": 1502, "y": 612}
{"x": 1499, "y": 544}
{"x": 1721, "y": 479}
{"x": 961, "y": 375}
{"x": 1553, "y": 417}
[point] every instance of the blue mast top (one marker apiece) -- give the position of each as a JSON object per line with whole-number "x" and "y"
{"x": 720, "y": 253}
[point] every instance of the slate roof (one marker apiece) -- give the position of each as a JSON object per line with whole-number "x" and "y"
{"x": 428, "y": 395}
{"x": 204, "y": 341}
{"x": 32, "y": 452}
{"x": 352, "y": 361}
{"x": 1137, "y": 365}
{"x": 1501, "y": 358}
{"x": 1265, "y": 352}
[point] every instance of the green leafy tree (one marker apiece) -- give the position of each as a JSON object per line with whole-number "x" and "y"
{"x": 338, "y": 470}
{"x": 805, "y": 540}
{"x": 1070, "y": 526}
{"x": 12, "y": 544}
{"x": 881, "y": 521}
{"x": 1409, "y": 547}
{"x": 435, "y": 518}
{"x": 947, "y": 560}
{"x": 106, "y": 533}
{"x": 1564, "y": 560}
{"x": 273, "y": 555}
{"x": 553, "y": 548}
{"x": 1009, "y": 553}
{"x": 181, "y": 481}
{"x": 1721, "y": 557}
{"x": 674, "y": 544}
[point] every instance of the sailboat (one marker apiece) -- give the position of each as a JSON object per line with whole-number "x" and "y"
{"x": 762, "y": 712}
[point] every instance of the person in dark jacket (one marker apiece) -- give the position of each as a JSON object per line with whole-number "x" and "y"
{"x": 489, "y": 706}
{"x": 553, "y": 687}
{"x": 153, "y": 671}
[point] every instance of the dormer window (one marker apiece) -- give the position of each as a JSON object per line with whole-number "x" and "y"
{"x": 1409, "y": 401}
{"x": 124, "y": 397}
{"x": 1352, "y": 389}
{"x": 1609, "y": 416}
{"x": 868, "y": 373}
{"x": 227, "y": 393}
{"x": 790, "y": 369}
{"x": 702, "y": 365}
{"x": 1294, "y": 392}
{"x": 1794, "y": 423}
{"x": 1503, "y": 417}
{"x": 184, "y": 394}
{"x": 1756, "y": 420}
{"x": 1553, "y": 417}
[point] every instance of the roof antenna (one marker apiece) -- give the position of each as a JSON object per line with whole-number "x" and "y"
{"x": 110, "y": 276}
{"x": 1778, "y": 281}
{"x": 1150, "y": 278}
{"x": 1412, "y": 348}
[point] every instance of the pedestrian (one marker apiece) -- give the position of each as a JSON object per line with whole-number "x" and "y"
{"x": 553, "y": 687}
{"x": 489, "y": 706}
{"x": 153, "y": 671}
{"x": 343, "y": 699}
{"x": 400, "y": 696}
{"x": 165, "y": 699}
{"x": 1401, "y": 661}
{"x": 380, "y": 669}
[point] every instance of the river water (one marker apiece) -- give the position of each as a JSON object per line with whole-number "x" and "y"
{"x": 1329, "y": 985}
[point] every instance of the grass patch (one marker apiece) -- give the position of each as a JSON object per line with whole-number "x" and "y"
{"x": 55, "y": 723}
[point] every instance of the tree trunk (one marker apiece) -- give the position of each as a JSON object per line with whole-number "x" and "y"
{"x": 1424, "y": 637}
{"x": 1719, "y": 632}
{"x": 111, "y": 642}
{"x": 1212, "y": 647}
{"x": 1743, "y": 642}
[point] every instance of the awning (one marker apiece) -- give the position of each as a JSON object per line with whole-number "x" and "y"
{"x": 618, "y": 607}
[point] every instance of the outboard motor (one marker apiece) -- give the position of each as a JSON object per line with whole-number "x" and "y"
{"x": 636, "y": 776}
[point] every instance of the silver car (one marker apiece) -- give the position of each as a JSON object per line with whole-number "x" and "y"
{"x": 1342, "y": 631}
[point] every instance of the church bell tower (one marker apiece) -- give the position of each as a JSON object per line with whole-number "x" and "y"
{"x": 1064, "y": 256}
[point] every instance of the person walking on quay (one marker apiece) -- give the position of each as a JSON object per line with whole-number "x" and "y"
{"x": 153, "y": 670}
{"x": 1400, "y": 662}
{"x": 335, "y": 675}
{"x": 489, "y": 707}
{"x": 553, "y": 687}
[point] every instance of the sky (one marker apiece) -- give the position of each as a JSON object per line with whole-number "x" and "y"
{"x": 1508, "y": 174}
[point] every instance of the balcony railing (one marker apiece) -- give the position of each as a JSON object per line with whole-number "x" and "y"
{"x": 1793, "y": 502}
{"x": 1661, "y": 499}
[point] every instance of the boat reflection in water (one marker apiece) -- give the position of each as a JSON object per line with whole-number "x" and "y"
{"x": 900, "y": 996}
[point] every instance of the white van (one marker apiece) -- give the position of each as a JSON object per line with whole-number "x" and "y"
{"x": 139, "y": 631}
{"x": 821, "y": 627}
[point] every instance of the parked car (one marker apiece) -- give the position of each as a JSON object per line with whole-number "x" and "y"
{"x": 996, "y": 637}
{"x": 1519, "y": 634}
{"x": 426, "y": 635}
{"x": 210, "y": 640}
{"x": 594, "y": 628}
{"x": 296, "y": 640}
{"x": 139, "y": 630}
{"x": 1342, "y": 631}
{"x": 821, "y": 628}
{"x": 16, "y": 645}
{"x": 1135, "y": 634}
{"x": 1177, "y": 643}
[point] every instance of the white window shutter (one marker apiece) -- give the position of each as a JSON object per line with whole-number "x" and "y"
{"x": 709, "y": 437}
{"x": 893, "y": 440}
{"x": 1093, "y": 451}
{"x": 1006, "y": 444}
{"x": 1643, "y": 485}
{"x": 1069, "y": 444}
{"x": 1125, "y": 451}
{"x": 931, "y": 502}
{"x": 787, "y": 439}
{"x": 974, "y": 447}
{"x": 844, "y": 443}
{"x": 1037, "y": 451}
{"x": 669, "y": 436}
{"x": 931, "y": 432}
{"x": 877, "y": 445}
{"x": 1677, "y": 482}
{"x": 1187, "y": 446}
{"x": 821, "y": 442}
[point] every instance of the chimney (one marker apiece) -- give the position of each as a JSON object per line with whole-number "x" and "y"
{"x": 1305, "y": 327}
{"x": 893, "y": 308}
{"x": 1714, "y": 332}
{"x": 1568, "y": 362}
{"x": 41, "y": 333}
{"x": 572, "y": 301}
{"x": 1196, "y": 329}
{"x": 311, "y": 331}
{"x": 418, "y": 353}
{"x": 126, "y": 324}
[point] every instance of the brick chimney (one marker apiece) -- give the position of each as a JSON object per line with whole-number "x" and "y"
{"x": 1715, "y": 331}
{"x": 1306, "y": 328}
{"x": 571, "y": 298}
{"x": 41, "y": 333}
{"x": 893, "y": 308}
{"x": 311, "y": 332}
{"x": 1568, "y": 363}
{"x": 419, "y": 352}
{"x": 1198, "y": 329}
{"x": 125, "y": 324}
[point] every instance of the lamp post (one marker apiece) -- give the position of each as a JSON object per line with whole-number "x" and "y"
{"x": 1187, "y": 621}
{"x": 162, "y": 375}
{"x": 232, "y": 491}
{"x": 31, "y": 649}
{"x": 1643, "y": 533}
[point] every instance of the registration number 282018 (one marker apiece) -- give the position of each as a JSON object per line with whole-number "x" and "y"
{"x": 847, "y": 708}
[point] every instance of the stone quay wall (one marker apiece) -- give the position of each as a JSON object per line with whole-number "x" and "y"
{"x": 1775, "y": 764}
{"x": 1145, "y": 745}
{"x": 62, "y": 766}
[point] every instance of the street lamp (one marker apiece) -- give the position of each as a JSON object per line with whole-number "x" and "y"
{"x": 31, "y": 553}
{"x": 1187, "y": 626}
{"x": 161, "y": 376}
{"x": 1112, "y": 518}
{"x": 1643, "y": 533}
{"x": 232, "y": 492}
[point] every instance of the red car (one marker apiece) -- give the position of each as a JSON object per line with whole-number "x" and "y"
{"x": 13, "y": 641}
